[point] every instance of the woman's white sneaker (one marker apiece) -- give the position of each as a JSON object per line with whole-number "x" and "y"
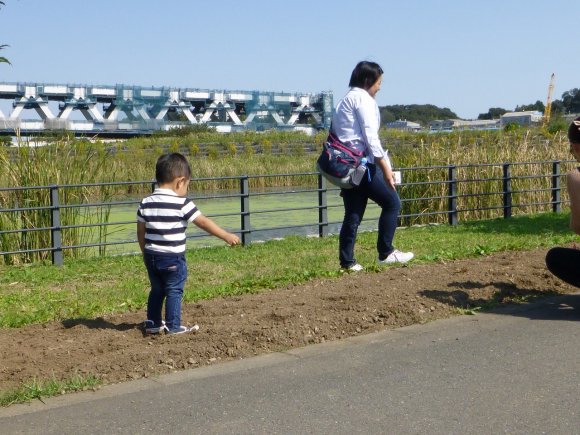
{"x": 355, "y": 268}
{"x": 397, "y": 257}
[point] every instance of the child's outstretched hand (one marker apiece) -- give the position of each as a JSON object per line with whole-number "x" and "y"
{"x": 232, "y": 239}
{"x": 214, "y": 229}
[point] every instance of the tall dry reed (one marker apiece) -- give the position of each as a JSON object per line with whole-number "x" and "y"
{"x": 62, "y": 163}
{"x": 75, "y": 162}
{"x": 479, "y": 189}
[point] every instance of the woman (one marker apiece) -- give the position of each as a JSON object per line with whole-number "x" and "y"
{"x": 565, "y": 262}
{"x": 356, "y": 122}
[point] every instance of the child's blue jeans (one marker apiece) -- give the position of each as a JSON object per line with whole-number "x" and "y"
{"x": 167, "y": 275}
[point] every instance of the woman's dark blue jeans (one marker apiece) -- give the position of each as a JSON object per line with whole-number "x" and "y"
{"x": 355, "y": 203}
{"x": 167, "y": 274}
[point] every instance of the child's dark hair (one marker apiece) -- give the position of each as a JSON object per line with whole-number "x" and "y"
{"x": 171, "y": 166}
{"x": 365, "y": 74}
{"x": 574, "y": 131}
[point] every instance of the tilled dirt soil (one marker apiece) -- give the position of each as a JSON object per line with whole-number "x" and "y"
{"x": 116, "y": 349}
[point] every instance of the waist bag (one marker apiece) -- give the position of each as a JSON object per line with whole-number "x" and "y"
{"x": 338, "y": 162}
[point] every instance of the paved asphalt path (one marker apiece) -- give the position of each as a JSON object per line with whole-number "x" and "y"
{"x": 513, "y": 371}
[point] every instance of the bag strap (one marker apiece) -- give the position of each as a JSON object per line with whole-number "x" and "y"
{"x": 333, "y": 134}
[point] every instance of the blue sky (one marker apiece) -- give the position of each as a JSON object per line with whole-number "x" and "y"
{"x": 461, "y": 54}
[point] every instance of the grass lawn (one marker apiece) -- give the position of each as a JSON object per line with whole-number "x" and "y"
{"x": 94, "y": 287}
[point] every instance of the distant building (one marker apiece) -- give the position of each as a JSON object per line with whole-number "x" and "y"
{"x": 404, "y": 125}
{"x": 448, "y": 125}
{"x": 521, "y": 118}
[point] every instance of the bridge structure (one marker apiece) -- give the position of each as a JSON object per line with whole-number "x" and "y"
{"x": 126, "y": 111}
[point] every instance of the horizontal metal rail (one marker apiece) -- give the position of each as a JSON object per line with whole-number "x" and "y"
{"x": 424, "y": 200}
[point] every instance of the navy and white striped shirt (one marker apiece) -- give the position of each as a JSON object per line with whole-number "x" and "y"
{"x": 166, "y": 216}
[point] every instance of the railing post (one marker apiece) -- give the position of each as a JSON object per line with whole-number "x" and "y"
{"x": 322, "y": 207}
{"x": 452, "y": 202}
{"x": 507, "y": 191}
{"x": 245, "y": 211}
{"x": 556, "y": 188}
{"x": 55, "y": 229}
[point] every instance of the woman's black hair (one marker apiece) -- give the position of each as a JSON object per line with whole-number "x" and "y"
{"x": 171, "y": 166}
{"x": 365, "y": 74}
{"x": 574, "y": 131}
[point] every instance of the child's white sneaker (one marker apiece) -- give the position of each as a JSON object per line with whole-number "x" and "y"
{"x": 150, "y": 327}
{"x": 184, "y": 329}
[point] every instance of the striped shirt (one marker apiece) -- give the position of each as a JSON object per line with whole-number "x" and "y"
{"x": 166, "y": 216}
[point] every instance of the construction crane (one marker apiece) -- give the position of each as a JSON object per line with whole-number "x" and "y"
{"x": 548, "y": 109}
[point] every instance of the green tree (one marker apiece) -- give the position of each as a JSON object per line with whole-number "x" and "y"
{"x": 421, "y": 113}
{"x": 3, "y": 59}
{"x": 537, "y": 106}
{"x": 2, "y": 46}
{"x": 557, "y": 107}
{"x": 492, "y": 113}
{"x": 571, "y": 100}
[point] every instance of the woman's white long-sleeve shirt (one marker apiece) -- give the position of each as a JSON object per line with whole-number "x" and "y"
{"x": 357, "y": 120}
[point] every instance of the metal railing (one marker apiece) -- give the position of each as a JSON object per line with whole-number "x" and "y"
{"x": 47, "y": 222}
